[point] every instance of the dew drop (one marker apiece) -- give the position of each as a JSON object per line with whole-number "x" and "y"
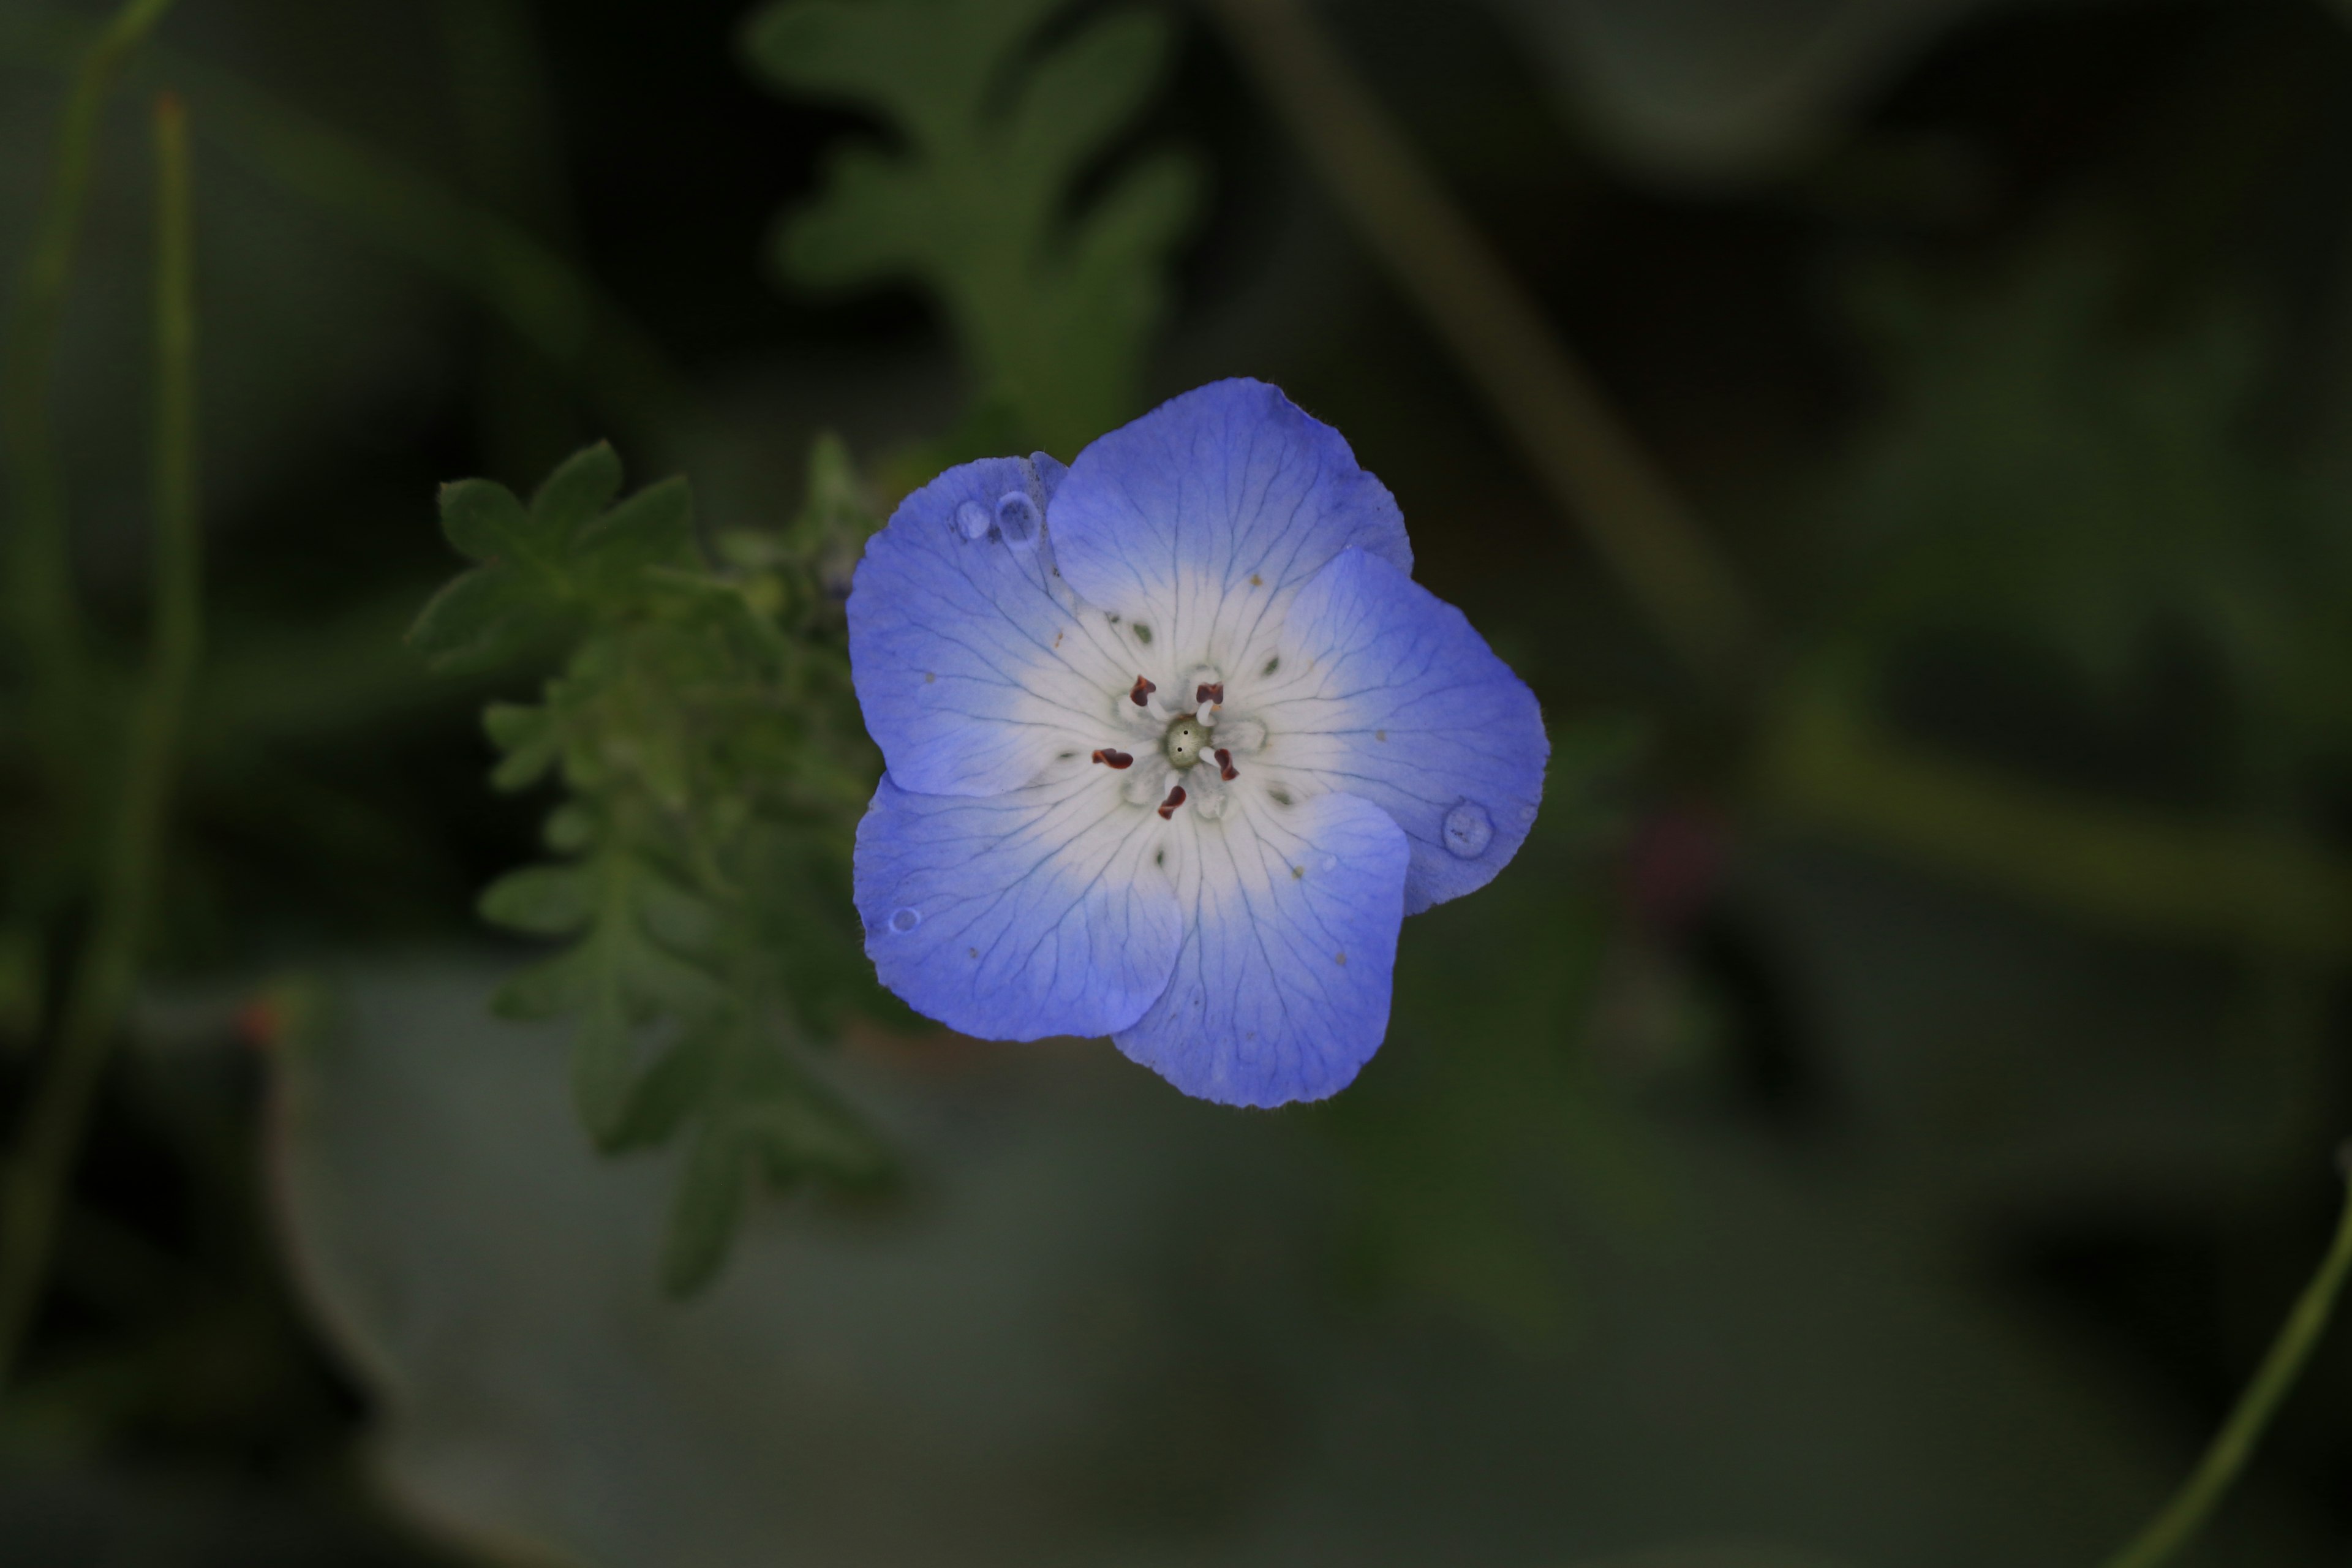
{"x": 973, "y": 520}
{"x": 1328, "y": 863}
{"x": 904, "y": 920}
{"x": 1016, "y": 514}
{"x": 1469, "y": 830}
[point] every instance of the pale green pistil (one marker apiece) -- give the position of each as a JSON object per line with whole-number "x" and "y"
{"x": 1186, "y": 741}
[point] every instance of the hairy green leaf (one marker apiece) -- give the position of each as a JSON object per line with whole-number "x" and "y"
{"x": 705, "y": 738}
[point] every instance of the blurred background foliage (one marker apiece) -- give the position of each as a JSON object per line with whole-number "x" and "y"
{"x": 1878, "y": 1120}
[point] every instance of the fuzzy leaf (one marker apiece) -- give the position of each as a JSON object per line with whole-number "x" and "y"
{"x": 541, "y": 900}
{"x": 675, "y": 1087}
{"x": 488, "y": 617}
{"x": 576, "y": 492}
{"x": 484, "y": 521}
{"x": 710, "y": 1200}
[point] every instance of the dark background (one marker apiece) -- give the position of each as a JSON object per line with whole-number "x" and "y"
{"x": 2006, "y": 358}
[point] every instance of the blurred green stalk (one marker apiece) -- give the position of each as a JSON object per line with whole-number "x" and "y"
{"x": 2180, "y": 1520}
{"x": 41, "y": 597}
{"x": 44, "y": 1158}
{"x": 512, "y": 275}
{"x": 1549, "y": 403}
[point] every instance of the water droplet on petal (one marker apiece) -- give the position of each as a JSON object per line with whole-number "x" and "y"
{"x": 973, "y": 520}
{"x": 904, "y": 920}
{"x": 1469, "y": 830}
{"x": 1328, "y": 863}
{"x": 1016, "y": 514}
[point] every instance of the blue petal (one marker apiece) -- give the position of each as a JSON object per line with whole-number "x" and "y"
{"x": 1281, "y": 992}
{"x": 975, "y": 664}
{"x": 1042, "y": 911}
{"x": 1388, "y": 693}
{"x": 1051, "y": 472}
{"x": 1203, "y": 517}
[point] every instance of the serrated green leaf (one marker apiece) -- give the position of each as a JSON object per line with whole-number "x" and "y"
{"x": 674, "y": 1088}
{"x": 703, "y": 1217}
{"x": 542, "y": 901}
{"x": 576, "y": 492}
{"x": 604, "y": 1051}
{"x": 570, "y": 829}
{"x": 705, "y": 730}
{"x": 1080, "y": 95}
{"x": 652, "y": 529}
{"x": 528, "y": 735}
{"x": 973, "y": 204}
{"x": 483, "y": 522}
{"x": 542, "y": 991}
{"x": 798, "y": 1135}
{"x": 487, "y": 617}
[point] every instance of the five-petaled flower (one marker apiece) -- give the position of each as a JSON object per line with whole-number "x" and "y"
{"x": 1173, "y": 742}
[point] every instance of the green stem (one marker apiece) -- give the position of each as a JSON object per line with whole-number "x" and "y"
{"x": 41, "y": 597}
{"x": 509, "y": 273}
{"x": 52, "y": 1136}
{"x": 1549, "y": 403}
{"x": 2186, "y": 1514}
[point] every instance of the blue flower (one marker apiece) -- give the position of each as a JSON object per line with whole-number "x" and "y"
{"x": 1174, "y": 741}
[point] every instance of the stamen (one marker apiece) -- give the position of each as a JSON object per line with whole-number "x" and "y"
{"x": 1143, "y": 688}
{"x": 1167, "y": 807}
{"x": 1114, "y": 759}
{"x": 1209, "y": 691}
{"x": 1225, "y": 766}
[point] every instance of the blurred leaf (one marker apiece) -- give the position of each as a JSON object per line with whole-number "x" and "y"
{"x": 1053, "y": 308}
{"x": 2045, "y": 471}
{"x": 710, "y": 1202}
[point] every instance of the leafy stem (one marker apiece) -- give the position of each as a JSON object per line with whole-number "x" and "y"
{"x": 2179, "y": 1520}
{"x": 53, "y": 1123}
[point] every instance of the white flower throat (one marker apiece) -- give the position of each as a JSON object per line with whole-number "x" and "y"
{"x": 1185, "y": 752}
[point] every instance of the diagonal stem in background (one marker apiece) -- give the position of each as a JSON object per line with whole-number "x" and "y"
{"x": 2180, "y": 1519}
{"x": 41, "y": 1163}
{"x": 1547, "y": 403}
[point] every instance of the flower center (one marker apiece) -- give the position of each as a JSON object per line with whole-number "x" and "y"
{"x": 1187, "y": 738}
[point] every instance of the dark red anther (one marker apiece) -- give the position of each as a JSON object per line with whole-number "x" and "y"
{"x": 1175, "y": 798}
{"x": 1114, "y": 759}
{"x": 1225, "y": 766}
{"x": 1209, "y": 693}
{"x": 1143, "y": 688}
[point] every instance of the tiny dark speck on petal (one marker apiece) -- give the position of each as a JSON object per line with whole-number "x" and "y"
{"x": 1296, "y": 872}
{"x": 929, "y": 677}
{"x": 1340, "y": 958}
{"x": 975, "y": 953}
